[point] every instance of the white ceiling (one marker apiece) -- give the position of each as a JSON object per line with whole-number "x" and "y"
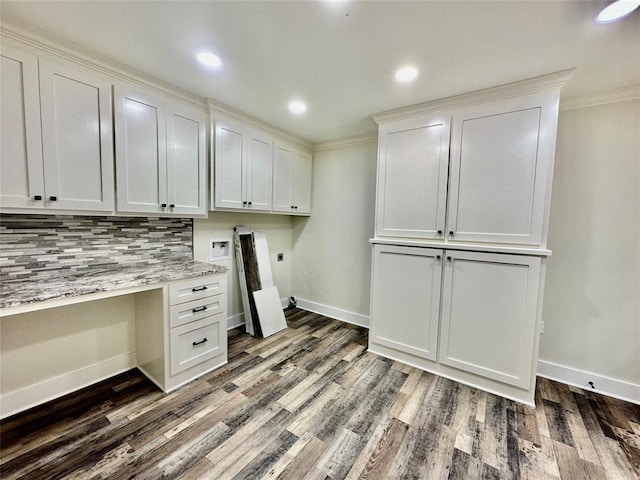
{"x": 340, "y": 56}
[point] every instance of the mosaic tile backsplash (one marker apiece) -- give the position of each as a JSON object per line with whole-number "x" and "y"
{"x": 38, "y": 246}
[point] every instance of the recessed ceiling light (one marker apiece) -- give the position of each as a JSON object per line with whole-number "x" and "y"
{"x": 209, "y": 59}
{"x": 297, "y": 107}
{"x": 617, "y": 10}
{"x": 406, "y": 74}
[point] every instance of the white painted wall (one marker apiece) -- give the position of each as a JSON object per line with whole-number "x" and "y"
{"x": 51, "y": 352}
{"x": 592, "y": 294}
{"x": 220, "y": 225}
{"x": 331, "y": 250}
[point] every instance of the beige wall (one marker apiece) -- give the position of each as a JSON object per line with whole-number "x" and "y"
{"x": 51, "y": 352}
{"x": 592, "y": 293}
{"x": 332, "y": 254}
{"x": 220, "y": 225}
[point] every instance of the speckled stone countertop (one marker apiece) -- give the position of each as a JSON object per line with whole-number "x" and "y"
{"x": 29, "y": 291}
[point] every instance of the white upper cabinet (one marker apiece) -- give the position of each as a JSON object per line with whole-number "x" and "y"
{"x": 76, "y": 138}
{"x": 186, "y": 160}
{"x": 242, "y": 167}
{"x": 500, "y": 166}
{"x": 160, "y": 154}
{"x": 413, "y": 159}
{"x": 21, "y": 168}
{"x": 56, "y": 136}
{"x": 489, "y": 315}
{"x": 292, "y": 173}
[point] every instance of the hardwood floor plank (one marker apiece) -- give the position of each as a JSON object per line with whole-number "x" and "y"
{"x": 365, "y": 453}
{"x": 538, "y": 460}
{"x": 558, "y": 425}
{"x": 304, "y": 462}
{"x": 338, "y": 459}
{"x": 262, "y": 463}
{"x": 572, "y": 467}
{"x": 382, "y": 457}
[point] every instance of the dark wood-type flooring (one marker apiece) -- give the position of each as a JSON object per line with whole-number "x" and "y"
{"x": 311, "y": 403}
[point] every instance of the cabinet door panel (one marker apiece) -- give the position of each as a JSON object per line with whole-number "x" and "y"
{"x": 283, "y": 159}
{"x": 412, "y": 178}
{"x": 186, "y": 160}
{"x": 302, "y": 200}
{"x": 406, "y": 299}
{"x": 259, "y": 172}
{"x": 76, "y": 134}
{"x": 499, "y": 172}
{"x": 21, "y": 170}
{"x": 196, "y": 342}
{"x": 489, "y": 315}
{"x": 229, "y": 168}
{"x": 141, "y": 152}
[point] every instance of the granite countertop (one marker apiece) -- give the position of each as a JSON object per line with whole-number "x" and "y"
{"x": 16, "y": 292}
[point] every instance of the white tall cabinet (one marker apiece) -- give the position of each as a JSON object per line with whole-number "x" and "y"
{"x": 160, "y": 154}
{"x": 462, "y": 208}
{"x": 56, "y": 129}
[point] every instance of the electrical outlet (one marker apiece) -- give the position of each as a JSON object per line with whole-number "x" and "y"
{"x": 280, "y": 257}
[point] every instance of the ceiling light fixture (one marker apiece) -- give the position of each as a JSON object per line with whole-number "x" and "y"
{"x": 617, "y": 10}
{"x": 406, "y": 74}
{"x": 297, "y": 107}
{"x": 209, "y": 59}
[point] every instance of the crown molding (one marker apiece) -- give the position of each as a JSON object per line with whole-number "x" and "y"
{"x": 345, "y": 142}
{"x": 624, "y": 94}
{"x": 61, "y": 48}
{"x": 217, "y": 108}
{"x": 513, "y": 89}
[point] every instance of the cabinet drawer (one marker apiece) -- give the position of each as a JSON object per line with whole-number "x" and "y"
{"x": 197, "y": 309}
{"x": 197, "y": 342}
{"x": 196, "y": 289}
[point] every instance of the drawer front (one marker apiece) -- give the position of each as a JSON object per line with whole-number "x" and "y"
{"x": 197, "y": 288}
{"x": 197, "y": 342}
{"x": 196, "y": 310}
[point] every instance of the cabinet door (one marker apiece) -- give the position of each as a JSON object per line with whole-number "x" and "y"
{"x": 229, "y": 166}
{"x": 501, "y": 160}
{"x": 259, "y": 170}
{"x": 141, "y": 152}
{"x": 406, "y": 299}
{"x": 303, "y": 172}
{"x": 413, "y": 158}
{"x": 21, "y": 170}
{"x": 77, "y": 138}
{"x": 489, "y": 315}
{"x": 283, "y": 159}
{"x": 186, "y": 160}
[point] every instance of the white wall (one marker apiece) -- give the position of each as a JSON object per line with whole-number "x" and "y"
{"x": 332, "y": 254}
{"x": 51, "y": 352}
{"x": 592, "y": 293}
{"x": 219, "y": 225}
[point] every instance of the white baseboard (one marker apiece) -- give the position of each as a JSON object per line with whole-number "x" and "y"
{"x": 578, "y": 378}
{"x": 235, "y": 321}
{"x": 332, "y": 312}
{"x": 27, "y": 397}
